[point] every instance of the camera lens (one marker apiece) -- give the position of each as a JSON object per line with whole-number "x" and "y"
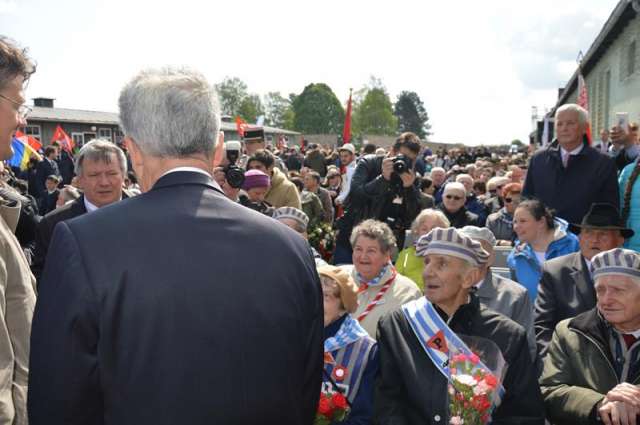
{"x": 234, "y": 176}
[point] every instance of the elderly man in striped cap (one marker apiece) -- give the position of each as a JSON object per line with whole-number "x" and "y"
{"x": 592, "y": 368}
{"x": 417, "y": 340}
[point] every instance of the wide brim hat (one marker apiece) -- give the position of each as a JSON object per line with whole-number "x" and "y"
{"x": 602, "y": 216}
{"x": 348, "y": 287}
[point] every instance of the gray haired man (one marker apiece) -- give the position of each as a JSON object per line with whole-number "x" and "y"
{"x": 101, "y": 167}
{"x": 177, "y": 306}
{"x": 499, "y": 293}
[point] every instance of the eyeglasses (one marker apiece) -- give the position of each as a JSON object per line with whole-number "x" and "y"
{"x": 455, "y": 198}
{"x": 23, "y": 110}
{"x": 509, "y": 200}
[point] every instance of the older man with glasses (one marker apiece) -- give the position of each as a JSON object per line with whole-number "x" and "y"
{"x": 454, "y": 198}
{"x": 17, "y": 284}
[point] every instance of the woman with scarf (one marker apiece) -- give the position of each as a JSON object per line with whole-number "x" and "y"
{"x": 381, "y": 288}
{"x": 351, "y": 355}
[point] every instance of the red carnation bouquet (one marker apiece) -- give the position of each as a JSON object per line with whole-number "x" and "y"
{"x": 332, "y": 407}
{"x": 474, "y": 387}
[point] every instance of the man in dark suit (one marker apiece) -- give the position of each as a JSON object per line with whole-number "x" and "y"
{"x": 177, "y": 306}
{"x": 566, "y": 286}
{"x": 46, "y": 167}
{"x": 569, "y": 175}
{"x": 49, "y": 197}
{"x": 101, "y": 167}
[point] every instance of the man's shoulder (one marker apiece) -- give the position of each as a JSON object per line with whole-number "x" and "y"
{"x": 66, "y": 212}
{"x": 504, "y": 331}
{"x": 508, "y": 286}
{"x": 555, "y": 264}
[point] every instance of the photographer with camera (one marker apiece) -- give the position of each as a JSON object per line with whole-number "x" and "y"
{"x": 383, "y": 188}
{"x": 229, "y": 176}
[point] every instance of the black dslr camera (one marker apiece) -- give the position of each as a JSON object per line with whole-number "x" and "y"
{"x": 402, "y": 164}
{"x": 232, "y": 173}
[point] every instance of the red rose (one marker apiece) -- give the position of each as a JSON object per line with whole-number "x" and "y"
{"x": 339, "y": 401}
{"x": 324, "y": 406}
{"x": 491, "y": 380}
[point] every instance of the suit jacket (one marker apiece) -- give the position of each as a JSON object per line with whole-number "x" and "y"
{"x": 48, "y": 201}
{"x": 512, "y": 300}
{"x": 177, "y": 306}
{"x": 565, "y": 290}
{"x": 44, "y": 231}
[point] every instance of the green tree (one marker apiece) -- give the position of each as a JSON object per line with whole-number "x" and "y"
{"x": 411, "y": 114}
{"x": 278, "y": 110}
{"x": 317, "y": 110}
{"x": 251, "y": 108}
{"x": 231, "y": 91}
{"x": 374, "y": 115}
{"x": 517, "y": 142}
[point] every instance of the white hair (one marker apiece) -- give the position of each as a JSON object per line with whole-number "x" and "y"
{"x": 461, "y": 177}
{"x": 170, "y": 112}
{"x": 437, "y": 215}
{"x": 438, "y": 169}
{"x": 100, "y": 150}
{"x": 455, "y": 186}
{"x": 583, "y": 114}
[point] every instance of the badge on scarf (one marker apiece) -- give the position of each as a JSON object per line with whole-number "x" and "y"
{"x": 340, "y": 373}
{"x": 328, "y": 358}
{"x": 438, "y": 342}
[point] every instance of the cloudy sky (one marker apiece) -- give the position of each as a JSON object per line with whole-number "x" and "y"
{"x": 479, "y": 66}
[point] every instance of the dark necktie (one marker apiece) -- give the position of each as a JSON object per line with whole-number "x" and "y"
{"x": 629, "y": 340}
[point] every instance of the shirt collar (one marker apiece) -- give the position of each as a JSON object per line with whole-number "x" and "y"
{"x": 89, "y": 206}
{"x": 189, "y": 169}
{"x": 576, "y": 151}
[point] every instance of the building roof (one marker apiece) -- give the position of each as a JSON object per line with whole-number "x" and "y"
{"x": 618, "y": 20}
{"x": 63, "y": 115}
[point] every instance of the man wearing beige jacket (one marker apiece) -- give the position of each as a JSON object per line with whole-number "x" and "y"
{"x": 17, "y": 293}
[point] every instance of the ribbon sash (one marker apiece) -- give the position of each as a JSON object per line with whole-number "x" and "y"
{"x": 435, "y": 336}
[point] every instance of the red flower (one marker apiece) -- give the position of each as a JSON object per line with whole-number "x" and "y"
{"x": 339, "y": 401}
{"x": 324, "y": 406}
{"x": 480, "y": 403}
{"x": 491, "y": 380}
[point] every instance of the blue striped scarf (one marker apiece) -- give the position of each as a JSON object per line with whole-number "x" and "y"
{"x": 376, "y": 280}
{"x": 349, "y": 332}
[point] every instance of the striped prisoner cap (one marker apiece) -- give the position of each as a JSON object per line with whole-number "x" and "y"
{"x": 451, "y": 242}
{"x": 618, "y": 261}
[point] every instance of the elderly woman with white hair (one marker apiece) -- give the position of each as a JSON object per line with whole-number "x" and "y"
{"x": 408, "y": 263}
{"x": 381, "y": 288}
{"x": 454, "y": 198}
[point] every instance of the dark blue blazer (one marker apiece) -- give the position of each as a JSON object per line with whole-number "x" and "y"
{"x": 44, "y": 169}
{"x": 177, "y": 306}
{"x": 590, "y": 177}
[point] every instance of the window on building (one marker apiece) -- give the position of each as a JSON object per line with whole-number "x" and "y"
{"x": 78, "y": 139}
{"x": 631, "y": 58}
{"x": 33, "y": 131}
{"x": 118, "y": 135}
{"x": 105, "y": 133}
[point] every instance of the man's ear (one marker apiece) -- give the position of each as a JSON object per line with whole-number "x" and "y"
{"x": 471, "y": 277}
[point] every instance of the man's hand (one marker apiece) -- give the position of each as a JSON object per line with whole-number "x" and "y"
{"x": 617, "y": 413}
{"x": 387, "y": 168}
{"x": 626, "y": 393}
{"x": 408, "y": 178}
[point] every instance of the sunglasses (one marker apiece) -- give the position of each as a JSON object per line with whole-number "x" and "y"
{"x": 455, "y": 198}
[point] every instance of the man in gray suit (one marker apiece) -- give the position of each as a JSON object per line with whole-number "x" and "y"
{"x": 501, "y": 294}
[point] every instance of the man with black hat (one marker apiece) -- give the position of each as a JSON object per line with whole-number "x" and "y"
{"x": 253, "y": 141}
{"x": 592, "y": 369}
{"x": 566, "y": 286}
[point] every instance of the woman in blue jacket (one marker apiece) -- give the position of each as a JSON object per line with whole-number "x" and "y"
{"x": 541, "y": 237}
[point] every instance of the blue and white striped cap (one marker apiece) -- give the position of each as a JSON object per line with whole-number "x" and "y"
{"x": 452, "y": 242}
{"x": 618, "y": 261}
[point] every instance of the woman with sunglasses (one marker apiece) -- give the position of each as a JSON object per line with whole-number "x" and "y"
{"x": 454, "y": 197}
{"x": 501, "y": 223}
{"x": 541, "y": 237}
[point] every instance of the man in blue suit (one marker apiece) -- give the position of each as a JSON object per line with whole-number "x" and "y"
{"x": 177, "y": 306}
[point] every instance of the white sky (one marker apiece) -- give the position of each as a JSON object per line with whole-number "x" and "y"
{"x": 479, "y": 66}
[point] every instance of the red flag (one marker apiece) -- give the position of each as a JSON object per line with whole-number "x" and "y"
{"x": 66, "y": 143}
{"x": 346, "y": 131}
{"x": 31, "y": 141}
{"x": 240, "y": 126}
{"x": 583, "y": 100}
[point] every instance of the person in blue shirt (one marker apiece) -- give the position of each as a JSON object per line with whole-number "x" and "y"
{"x": 541, "y": 237}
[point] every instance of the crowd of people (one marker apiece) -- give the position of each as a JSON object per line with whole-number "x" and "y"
{"x": 178, "y": 278}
